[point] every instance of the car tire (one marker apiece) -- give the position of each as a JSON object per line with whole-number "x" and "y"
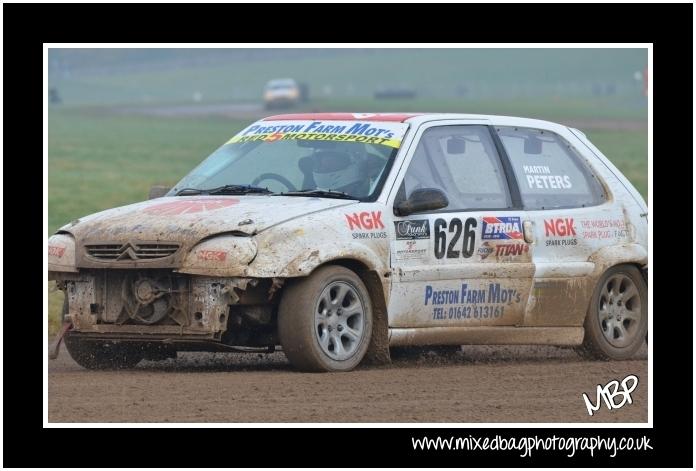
{"x": 617, "y": 319}
{"x": 325, "y": 320}
{"x": 100, "y": 355}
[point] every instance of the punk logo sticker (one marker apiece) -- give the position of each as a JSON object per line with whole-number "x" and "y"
{"x": 412, "y": 229}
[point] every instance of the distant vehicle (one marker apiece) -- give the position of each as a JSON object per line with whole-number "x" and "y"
{"x": 339, "y": 235}
{"x": 281, "y": 93}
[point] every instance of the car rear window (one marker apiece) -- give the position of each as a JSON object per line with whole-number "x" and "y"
{"x": 550, "y": 172}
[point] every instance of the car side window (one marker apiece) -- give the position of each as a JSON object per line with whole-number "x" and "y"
{"x": 550, "y": 172}
{"x": 463, "y": 162}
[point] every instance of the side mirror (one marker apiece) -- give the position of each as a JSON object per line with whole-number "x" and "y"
{"x": 422, "y": 199}
{"x": 158, "y": 191}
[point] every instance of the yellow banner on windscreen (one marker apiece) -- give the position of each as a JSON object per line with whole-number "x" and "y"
{"x": 317, "y": 136}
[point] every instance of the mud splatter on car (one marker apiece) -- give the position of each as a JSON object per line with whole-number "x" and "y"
{"x": 335, "y": 236}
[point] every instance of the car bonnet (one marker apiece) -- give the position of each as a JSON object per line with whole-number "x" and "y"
{"x": 188, "y": 219}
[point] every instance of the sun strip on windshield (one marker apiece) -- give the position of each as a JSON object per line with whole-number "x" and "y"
{"x": 379, "y": 133}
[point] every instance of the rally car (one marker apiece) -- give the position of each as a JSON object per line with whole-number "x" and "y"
{"x": 281, "y": 93}
{"x": 337, "y": 236}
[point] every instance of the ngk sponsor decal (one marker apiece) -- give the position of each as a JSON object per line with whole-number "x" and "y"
{"x": 470, "y": 302}
{"x": 366, "y": 225}
{"x": 560, "y": 232}
{"x": 603, "y": 228}
{"x": 212, "y": 255}
{"x": 175, "y": 208}
{"x": 56, "y": 251}
{"x": 503, "y": 227}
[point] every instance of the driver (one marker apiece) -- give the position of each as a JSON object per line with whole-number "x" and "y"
{"x": 340, "y": 171}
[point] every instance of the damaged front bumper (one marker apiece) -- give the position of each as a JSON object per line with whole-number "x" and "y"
{"x": 161, "y": 305}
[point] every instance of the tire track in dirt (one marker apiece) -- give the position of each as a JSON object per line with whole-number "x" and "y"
{"x": 479, "y": 384}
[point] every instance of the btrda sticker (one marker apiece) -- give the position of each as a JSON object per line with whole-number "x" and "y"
{"x": 501, "y": 228}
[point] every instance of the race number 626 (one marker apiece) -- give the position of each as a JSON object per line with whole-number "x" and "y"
{"x": 455, "y": 228}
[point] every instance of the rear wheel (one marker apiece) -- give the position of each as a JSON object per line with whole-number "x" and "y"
{"x": 617, "y": 320}
{"x": 325, "y": 320}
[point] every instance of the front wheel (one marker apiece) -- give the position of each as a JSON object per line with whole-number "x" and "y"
{"x": 325, "y": 320}
{"x": 617, "y": 319}
{"x": 101, "y": 355}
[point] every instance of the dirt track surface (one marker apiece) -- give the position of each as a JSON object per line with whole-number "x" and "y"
{"x": 478, "y": 384}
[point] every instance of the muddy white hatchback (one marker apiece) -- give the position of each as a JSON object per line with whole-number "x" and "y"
{"x": 338, "y": 236}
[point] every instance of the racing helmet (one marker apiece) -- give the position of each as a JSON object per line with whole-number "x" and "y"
{"x": 334, "y": 170}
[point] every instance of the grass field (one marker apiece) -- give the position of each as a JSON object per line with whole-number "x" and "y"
{"x": 98, "y": 160}
{"x": 165, "y": 76}
{"x": 555, "y": 109}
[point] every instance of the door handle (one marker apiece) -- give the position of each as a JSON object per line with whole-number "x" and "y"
{"x": 528, "y": 231}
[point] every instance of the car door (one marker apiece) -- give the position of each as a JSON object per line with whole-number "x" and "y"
{"x": 572, "y": 218}
{"x": 467, "y": 263}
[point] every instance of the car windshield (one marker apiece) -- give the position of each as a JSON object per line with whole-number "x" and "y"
{"x": 349, "y": 157}
{"x": 280, "y": 84}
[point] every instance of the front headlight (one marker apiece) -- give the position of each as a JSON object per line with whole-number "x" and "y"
{"x": 225, "y": 255}
{"x": 61, "y": 253}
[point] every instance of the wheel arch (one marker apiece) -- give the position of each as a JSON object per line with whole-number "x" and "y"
{"x": 600, "y": 270}
{"x": 615, "y": 255}
{"x": 378, "y": 287}
{"x": 589, "y": 348}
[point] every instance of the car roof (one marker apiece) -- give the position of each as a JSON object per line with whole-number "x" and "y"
{"x": 420, "y": 118}
{"x": 281, "y": 81}
{"x": 394, "y": 117}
